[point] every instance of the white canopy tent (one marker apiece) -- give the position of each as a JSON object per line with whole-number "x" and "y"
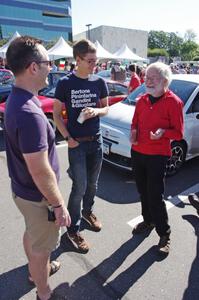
{"x": 103, "y": 53}
{"x": 4, "y": 48}
{"x": 125, "y": 53}
{"x": 60, "y": 50}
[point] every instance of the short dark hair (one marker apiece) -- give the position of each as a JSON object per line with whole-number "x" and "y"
{"x": 82, "y": 47}
{"x": 21, "y": 52}
{"x": 132, "y": 68}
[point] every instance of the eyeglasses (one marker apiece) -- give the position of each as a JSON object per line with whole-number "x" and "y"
{"x": 47, "y": 62}
{"x": 154, "y": 78}
{"x": 90, "y": 61}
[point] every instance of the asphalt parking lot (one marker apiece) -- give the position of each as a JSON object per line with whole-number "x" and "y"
{"x": 118, "y": 265}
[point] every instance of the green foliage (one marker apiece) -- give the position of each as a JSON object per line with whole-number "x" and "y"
{"x": 188, "y": 50}
{"x": 3, "y": 42}
{"x": 195, "y": 58}
{"x": 157, "y": 52}
{"x": 173, "y": 44}
{"x": 165, "y": 40}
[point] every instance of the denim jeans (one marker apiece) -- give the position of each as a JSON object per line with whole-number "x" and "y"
{"x": 85, "y": 163}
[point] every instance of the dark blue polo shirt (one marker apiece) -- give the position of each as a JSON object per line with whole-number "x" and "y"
{"x": 78, "y": 93}
{"x": 27, "y": 130}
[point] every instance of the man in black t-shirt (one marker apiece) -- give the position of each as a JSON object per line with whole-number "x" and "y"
{"x": 85, "y": 99}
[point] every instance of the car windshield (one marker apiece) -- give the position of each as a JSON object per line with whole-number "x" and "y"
{"x": 182, "y": 88}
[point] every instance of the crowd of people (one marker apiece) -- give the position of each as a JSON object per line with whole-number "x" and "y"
{"x": 33, "y": 164}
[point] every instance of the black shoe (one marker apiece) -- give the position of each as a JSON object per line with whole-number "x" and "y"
{"x": 164, "y": 245}
{"x": 142, "y": 227}
{"x": 194, "y": 200}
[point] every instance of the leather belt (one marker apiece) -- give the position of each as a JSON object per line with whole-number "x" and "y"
{"x": 87, "y": 138}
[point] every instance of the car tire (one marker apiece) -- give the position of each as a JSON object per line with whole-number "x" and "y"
{"x": 176, "y": 161}
{"x": 51, "y": 121}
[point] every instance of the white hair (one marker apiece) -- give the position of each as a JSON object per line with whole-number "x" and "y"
{"x": 163, "y": 69}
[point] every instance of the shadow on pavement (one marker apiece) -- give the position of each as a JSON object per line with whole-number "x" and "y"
{"x": 116, "y": 186}
{"x": 95, "y": 285}
{"x": 192, "y": 290}
{"x": 14, "y": 283}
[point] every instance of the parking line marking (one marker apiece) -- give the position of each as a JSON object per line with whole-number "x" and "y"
{"x": 170, "y": 202}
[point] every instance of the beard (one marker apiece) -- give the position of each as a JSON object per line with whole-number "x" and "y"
{"x": 155, "y": 91}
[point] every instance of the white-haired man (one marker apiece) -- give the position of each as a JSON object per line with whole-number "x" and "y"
{"x": 158, "y": 119}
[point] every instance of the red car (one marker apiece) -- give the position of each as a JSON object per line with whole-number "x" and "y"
{"x": 117, "y": 92}
{"x": 46, "y": 105}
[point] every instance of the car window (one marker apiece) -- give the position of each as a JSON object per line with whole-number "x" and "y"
{"x": 6, "y": 78}
{"x": 133, "y": 97}
{"x": 183, "y": 89}
{"x": 195, "y": 105}
{"x": 56, "y": 77}
{"x": 50, "y": 93}
{"x": 117, "y": 89}
{"x": 104, "y": 73}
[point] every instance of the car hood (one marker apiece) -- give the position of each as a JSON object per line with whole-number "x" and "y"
{"x": 120, "y": 115}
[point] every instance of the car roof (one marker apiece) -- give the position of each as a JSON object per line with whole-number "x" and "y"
{"x": 187, "y": 77}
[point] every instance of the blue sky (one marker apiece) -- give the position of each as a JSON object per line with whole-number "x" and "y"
{"x": 170, "y": 15}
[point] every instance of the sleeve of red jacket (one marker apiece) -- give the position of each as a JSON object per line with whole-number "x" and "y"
{"x": 176, "y": 130}
{"x": 135, "y": 118}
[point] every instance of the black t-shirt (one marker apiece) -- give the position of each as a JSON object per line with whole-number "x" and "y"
{"x": 77, "y": 93}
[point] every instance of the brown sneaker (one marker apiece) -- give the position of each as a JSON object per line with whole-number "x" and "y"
{"x": 142, "y": 227}
{"x": 92, "y": 220}
{"x": 164, "y": 245}
{"x": 78, "y": 242}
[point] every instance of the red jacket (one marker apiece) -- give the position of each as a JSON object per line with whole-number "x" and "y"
{"x": 166, "y": 113}
{"x": 134, "y": 82}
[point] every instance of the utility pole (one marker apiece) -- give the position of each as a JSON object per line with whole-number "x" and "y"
{"x": 88, "y": 31}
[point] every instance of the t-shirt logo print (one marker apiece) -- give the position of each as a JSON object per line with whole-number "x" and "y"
{"x": 83, "y": 98}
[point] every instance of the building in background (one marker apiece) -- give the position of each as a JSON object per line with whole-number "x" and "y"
{"x": 112, "y": 38}
{"x": 46, "y": 19}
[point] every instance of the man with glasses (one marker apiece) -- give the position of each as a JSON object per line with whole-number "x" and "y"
{"x": 157, "y": 120}
{"x": 85, "y": 99}
{"x": 32, "y": 161}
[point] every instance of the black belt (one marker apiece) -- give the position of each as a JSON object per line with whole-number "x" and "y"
{"x": 87, "y": 138}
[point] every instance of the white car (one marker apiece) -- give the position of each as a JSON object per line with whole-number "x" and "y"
{"x": 116, "y": 126}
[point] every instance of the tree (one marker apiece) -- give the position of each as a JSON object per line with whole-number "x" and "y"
{"x": 174, "y": 44}
{"x": 165, "y": 40}
{"x": 157, "y": 52}
{"x": 157, "y": 39}
{"x": 188, "y": 50}
{"x": 190, "y": 35}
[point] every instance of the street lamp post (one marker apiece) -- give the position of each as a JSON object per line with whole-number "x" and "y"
{"x": 88, "y": 31}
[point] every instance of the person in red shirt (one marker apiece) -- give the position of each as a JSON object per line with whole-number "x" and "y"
{"x": 157, "y": 120}
{"x": 135, "y": 80}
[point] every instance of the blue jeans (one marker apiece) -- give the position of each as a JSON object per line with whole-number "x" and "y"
{"x": 85, "y": 165}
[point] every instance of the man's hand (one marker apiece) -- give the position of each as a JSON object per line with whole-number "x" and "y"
{"x": 72, "y": 143}
{"x": 133, "y": 137}
{"x": 62, "y": 216}
{"x": 90, "y": 112}
{"x": 157, "y": 135}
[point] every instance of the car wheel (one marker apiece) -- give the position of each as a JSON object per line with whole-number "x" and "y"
{"x": 177, "y": 158}
{"x": 52, "y": 122}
